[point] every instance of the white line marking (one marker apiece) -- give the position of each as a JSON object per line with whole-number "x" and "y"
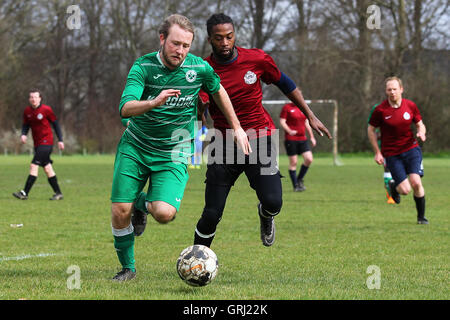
{"x": 27, "y": 256}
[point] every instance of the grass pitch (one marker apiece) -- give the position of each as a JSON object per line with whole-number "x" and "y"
{"x": 327, "y": 239}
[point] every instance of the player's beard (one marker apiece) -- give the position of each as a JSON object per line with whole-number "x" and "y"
{"x": 221, "y": 56}
{"x": 167, "y": 58}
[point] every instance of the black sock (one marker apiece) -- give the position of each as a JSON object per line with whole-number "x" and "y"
{"x": 54, "y": 183}
{"x": 293, "y": 175}
{"x": 302, "y": 172}
{"x": 420, "y": 206}
{"x": 203, "y": 241}
{"x": 30, "y": 181}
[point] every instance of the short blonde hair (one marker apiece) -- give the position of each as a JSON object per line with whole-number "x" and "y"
{"x": 392, "y": 79}
{"x": 178, "y": 19}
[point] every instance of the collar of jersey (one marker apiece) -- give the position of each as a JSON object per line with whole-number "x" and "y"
{"x": 160, "y": 61}
{"x": 229, "y": 61}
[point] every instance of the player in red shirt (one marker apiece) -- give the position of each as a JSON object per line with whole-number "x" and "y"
{"x": 241, "y": 72}
{"x": 295, "y": 125}
{"x": 399, "y": 147}
{"x": 39, "y": 117}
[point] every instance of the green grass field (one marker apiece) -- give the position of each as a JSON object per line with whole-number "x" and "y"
{"x": 326, "y": 239}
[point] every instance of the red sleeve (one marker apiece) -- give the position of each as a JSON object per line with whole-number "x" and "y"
{"x": 203, "y": 96}
{"x": 283, "y": 114}
{"x": 271, "y": 72}
{"x": 50, "y": 114}
{"x": 416, "y": 113}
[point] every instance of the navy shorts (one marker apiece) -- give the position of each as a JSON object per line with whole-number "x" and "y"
{"x": 294, "y": 147}
{"x": 42, "y": 155}
{"x": 404, "y": 164}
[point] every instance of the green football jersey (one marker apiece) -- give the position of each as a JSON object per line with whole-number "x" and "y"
{"x": 167, "y": 132}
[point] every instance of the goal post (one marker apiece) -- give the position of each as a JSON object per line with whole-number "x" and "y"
{"x": 321, "y": 109}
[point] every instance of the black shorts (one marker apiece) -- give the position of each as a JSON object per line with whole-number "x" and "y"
{"x": 296, "y": 147}
{"x": 225, "y": 165}
{"x": 42, "y": 155}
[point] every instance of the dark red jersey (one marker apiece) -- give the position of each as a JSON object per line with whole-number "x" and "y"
{"x": 295, "y": 120}
{"x": 40, "y": 120}
{"x": 395, "y": 126}
{"x": 241, "y": 78}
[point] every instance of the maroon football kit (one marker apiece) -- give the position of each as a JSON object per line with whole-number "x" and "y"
{"x": 295, "y": 120}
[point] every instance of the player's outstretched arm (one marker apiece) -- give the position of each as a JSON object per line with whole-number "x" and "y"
{"x": 136, "y": 108}
{"x": 310, "y": 133}
{"x": 224, "y": 103}
{"x": 296, "y": 97}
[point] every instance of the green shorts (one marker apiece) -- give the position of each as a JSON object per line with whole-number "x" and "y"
{"x": 167, "y": 180}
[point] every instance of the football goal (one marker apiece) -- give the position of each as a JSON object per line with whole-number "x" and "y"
{"x": 325, "y": 110}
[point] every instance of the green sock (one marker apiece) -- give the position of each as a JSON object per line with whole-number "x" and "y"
{"x": 140, "y": 202}
{"x": 124, "y": 246}
{"x": 386, "y": 184}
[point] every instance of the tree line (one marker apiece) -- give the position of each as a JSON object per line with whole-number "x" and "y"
{"x": 79, "y": 56}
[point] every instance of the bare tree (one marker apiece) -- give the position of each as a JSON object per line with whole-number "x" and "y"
{"x": 325, "y": 46}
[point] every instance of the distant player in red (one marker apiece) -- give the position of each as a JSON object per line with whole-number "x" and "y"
{"x": 296, "y": 125}
{"x": 40, "y": 118}
{"x": 394, "y": 116}
{"x": 241, "y": 72}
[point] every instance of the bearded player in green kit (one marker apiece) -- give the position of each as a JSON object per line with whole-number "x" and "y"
{"x": 160, "y": 100}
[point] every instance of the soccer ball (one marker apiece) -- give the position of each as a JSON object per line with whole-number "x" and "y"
{"x": 197, "y": 265}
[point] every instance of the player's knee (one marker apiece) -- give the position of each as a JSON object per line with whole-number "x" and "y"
{"x": 293, "y": 163}
{"x": 404, "y": 189}
{"x": 308, "y": 161}
{"x": 307, "y": 158}
{"x": 121, "y": 213}
{"x": 164, "y": 215}
{"x": 416, "y": 185}
{"x": 272, "y": 204}
{"x": 34, "y": 170}
{"x": 49, "y": 170}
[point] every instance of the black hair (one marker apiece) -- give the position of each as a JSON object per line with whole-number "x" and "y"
{"x": 215, "y": 19}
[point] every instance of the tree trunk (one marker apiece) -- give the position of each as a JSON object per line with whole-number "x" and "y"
{"x": 417, "y": 41}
